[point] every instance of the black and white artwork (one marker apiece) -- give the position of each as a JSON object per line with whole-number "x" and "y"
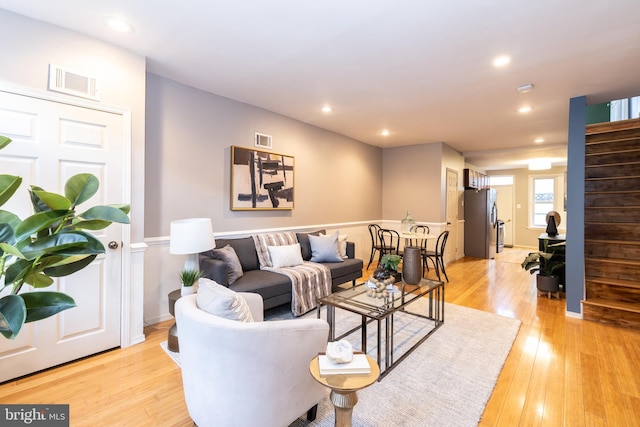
{"x": 261, "y": 180}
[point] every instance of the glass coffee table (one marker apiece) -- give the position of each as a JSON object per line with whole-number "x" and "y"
{"x": 382, "y": 311}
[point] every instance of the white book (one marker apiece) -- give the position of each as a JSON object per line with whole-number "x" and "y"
{"x": 358, "y": 365}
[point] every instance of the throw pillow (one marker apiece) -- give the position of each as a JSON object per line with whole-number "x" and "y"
{"x": 342, "y": 245}
{"x": 285, "y": 255}
{"x": 229, "y": 256}
{"x": 222, "y": 302}
{"x": 325, "y": 248}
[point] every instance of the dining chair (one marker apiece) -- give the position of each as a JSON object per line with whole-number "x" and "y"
{"x": 437, "y": 256}
{"x": 375, "y": 241}
{"x": 389, "y": 242}
{"x": 422, "y": 244}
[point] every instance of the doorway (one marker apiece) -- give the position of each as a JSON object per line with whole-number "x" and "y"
{"x": 52, "y": 141}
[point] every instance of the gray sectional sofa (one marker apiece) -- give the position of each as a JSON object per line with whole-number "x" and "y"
{"x": 274, "y": 288}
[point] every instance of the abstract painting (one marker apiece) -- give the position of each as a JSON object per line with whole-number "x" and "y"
{"x": 260, "y": 180}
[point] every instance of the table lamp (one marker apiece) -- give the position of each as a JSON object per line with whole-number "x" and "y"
{"x": 190, "y": 237}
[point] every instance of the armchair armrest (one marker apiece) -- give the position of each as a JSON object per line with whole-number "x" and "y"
{"x": 255, "y": 303}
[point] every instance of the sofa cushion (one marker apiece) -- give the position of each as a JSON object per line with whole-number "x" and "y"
{"x": 245, "y": 249}
{"x": 230, "y": 258}
{"x": 325, "y": 248}
{"x": 222, "y": 302}
{"x": 285, "y": 255}
{"x": 263, "y": 282}
{"x": 305, "y": 245}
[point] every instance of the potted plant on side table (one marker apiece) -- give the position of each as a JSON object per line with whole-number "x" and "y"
{"x": 188, "y": 278}
{"x": 546, "y": 264}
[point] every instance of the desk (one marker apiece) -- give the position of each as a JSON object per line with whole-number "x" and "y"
{"x": 343, "y": 389}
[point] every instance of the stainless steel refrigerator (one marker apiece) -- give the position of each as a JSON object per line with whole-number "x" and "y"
{"x": 480, "y": 223}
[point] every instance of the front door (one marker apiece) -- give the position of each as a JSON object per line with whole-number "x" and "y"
{"x": 51, "y": 142}
{"x": 505, "y": 211}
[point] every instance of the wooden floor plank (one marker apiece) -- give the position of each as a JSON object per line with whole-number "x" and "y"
{"x": 561, "y": 371}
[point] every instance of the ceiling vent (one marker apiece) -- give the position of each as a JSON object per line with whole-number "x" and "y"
{"x": 65, "y": 81}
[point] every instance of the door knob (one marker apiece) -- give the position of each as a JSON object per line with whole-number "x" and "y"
{"x": 113, "y": 245}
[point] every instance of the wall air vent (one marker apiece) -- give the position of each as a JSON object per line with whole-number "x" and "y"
{"x": 71, "y": 83}
{"x": 263, "y": 141}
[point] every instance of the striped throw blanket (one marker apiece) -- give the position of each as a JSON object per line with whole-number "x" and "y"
{"x": 310, "y": 280}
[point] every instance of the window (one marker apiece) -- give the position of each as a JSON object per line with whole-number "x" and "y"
{"x": 546, "y": 194}
{"x": 500, "y": 180}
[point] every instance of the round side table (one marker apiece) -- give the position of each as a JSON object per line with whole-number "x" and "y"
{"x": 172, "y": 338}
{"x": 343, "y": 389}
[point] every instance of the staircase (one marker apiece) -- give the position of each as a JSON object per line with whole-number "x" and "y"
{"x": 612, "y": 223}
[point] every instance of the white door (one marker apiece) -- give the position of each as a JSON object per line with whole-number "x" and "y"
{"x": 452, "y": 215}
{"x": 51, "y": 142}
{"x": 505, "y": 211}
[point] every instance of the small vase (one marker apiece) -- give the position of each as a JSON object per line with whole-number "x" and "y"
{"x": 412, "y": 265}
{"x": 187, "y": 290}
{"x": 407, "y": 224}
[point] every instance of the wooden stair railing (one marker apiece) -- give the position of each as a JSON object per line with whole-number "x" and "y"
{"x": 612, "y": 223}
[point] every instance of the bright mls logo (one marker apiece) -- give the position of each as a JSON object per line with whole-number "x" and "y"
{"x": 34, "y": 415}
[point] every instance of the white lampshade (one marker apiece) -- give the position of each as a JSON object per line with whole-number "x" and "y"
{"x": 190, "y": 237}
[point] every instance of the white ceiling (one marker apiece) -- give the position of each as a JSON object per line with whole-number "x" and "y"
{"x": 420, "y": 68}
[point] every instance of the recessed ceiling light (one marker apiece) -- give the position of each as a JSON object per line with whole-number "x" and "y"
{"x": 327, "y": 109}
{"x": 524, "y": 109}
{"x": 539, "y": 140}
{"x": 119, "y": 25}
{"x": 501, "y": 61}
{"x": 384, "y": 132}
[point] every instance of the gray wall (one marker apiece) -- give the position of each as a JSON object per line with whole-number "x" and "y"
{"x": 189, "y": 134}
{"x": 413, "y": 181}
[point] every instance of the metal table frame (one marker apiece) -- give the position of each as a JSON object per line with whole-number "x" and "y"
{"x": 355, "y": 300}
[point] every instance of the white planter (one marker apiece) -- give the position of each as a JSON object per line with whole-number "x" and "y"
{"x": 187, "y": 290}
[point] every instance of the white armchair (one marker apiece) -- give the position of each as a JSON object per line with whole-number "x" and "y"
{"x": 248, "y": 374}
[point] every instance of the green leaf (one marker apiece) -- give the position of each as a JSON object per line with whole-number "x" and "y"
{"x": 38, "y": 205}
{"x": 106, "y": 213}
{"x": 41, "y": 305}
{"x": 4, "y": 141}
{"x": 13, "y": 314}
{"x": 67, "y": 268}
{"x": 59, "y": 244}
{"x": 80, "y": 188}
{"x": 124, "y": 208}
{"x": 39, "y": 280}
{"x": 37, "y": 222}
{"x": 52, "y": 200}
{"x": 94, "y": 224}
{"x": 5, "y": 247}
{"x": 9, "y": 184}
{"x": 17, "y": 271}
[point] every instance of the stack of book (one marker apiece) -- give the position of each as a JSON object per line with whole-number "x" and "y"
{"x": 358, "y": 365}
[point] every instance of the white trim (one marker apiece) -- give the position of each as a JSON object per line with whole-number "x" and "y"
{"x": 573, "y": 315}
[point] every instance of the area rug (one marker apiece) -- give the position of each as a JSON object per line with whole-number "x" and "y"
{"x": 446, "y": 381}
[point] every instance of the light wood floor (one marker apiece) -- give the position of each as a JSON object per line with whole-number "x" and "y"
{"x": 561, "y": 371}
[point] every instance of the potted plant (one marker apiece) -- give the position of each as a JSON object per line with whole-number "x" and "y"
{"x": 52, "y": 242}
{"x": 546, "y": 264}
{"x": 388, "y": 267}
{"x": 188, "y": 278}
